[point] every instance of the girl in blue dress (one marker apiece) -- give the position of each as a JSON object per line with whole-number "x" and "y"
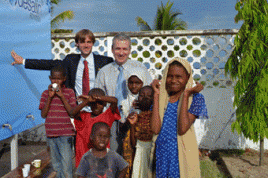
{"x": 176, "y": 106}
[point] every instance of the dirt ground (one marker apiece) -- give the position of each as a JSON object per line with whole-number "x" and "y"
{"x": 246, "y": 165}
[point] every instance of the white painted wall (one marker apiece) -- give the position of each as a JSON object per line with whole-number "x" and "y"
{"x": 215, "y": 132}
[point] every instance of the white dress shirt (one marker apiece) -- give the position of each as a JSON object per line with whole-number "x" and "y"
{"x": 79, "y": 76}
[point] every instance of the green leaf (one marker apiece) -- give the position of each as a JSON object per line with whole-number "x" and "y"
{"x": 142, "y": 24}
{"x": 236, "y": 126}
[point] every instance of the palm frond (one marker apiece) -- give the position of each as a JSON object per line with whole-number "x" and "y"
{"x": 179, "y": 24}
{"x": 54, "y": 2}
{"x": 142, "y": 24}
{"x": 61, "y": 18}
{"x": 167, "y": 18}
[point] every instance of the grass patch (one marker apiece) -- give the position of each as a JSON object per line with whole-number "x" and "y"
{"x": 231, "y": 152}
{"x": 209, "y": 169}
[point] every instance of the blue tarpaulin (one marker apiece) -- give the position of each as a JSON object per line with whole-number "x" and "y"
{"x": 25, "y": 28}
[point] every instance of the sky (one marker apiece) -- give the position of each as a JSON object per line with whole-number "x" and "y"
{"x": 119, "y": 15}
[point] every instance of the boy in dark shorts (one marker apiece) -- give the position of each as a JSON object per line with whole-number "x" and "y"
{"x": 56, "y": 104}
{"x": 101, "y": 162}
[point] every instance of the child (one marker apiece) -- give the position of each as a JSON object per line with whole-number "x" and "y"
{"x": 99, "y": 161}
{"x": 134, "y": 83}
{"x": 176, "y": 106}
{"x": 141, "y": 133}
{"x": 55, "y": 106}
{"x": 97, "y": 100}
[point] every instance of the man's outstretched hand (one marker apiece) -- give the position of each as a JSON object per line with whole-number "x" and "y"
{"x": 17, "y": 59}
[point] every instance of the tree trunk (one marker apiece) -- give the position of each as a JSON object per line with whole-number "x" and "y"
{"x": 261, "y": 151}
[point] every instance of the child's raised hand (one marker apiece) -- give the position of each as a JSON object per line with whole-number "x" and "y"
{"x": 51, "y": 92}
{"x": 135, "y": 104}
{"x": 132, "y": 118}
{"x": 97, "y": 97}
{"x": 156, "y": 86}
{"x": 86, "y": 98}
{"x": 196, "y": 89}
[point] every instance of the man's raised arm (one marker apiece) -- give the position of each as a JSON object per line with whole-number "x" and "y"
{"x": 39, "y": 64}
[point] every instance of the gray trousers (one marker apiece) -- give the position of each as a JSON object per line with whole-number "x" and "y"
{"x": 116, "y": 140}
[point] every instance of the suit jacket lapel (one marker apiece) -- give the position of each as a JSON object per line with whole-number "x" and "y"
{"x": 96, "y": 63}
{"x": 76, "y": 61}
{"x": 74, "y": 70}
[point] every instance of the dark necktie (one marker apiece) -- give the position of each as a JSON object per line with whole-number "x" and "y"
{"x": 85, "y": 81}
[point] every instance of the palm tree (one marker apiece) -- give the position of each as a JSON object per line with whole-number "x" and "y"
{"x": 166, "y": 19}
{"x": 60, "y": 17}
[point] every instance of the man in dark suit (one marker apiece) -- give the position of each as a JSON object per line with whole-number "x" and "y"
{"x": 73, "y": 63}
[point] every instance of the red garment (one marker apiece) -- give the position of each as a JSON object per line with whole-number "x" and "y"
{"x": 58, "y": 121}
{"x": 84, "y": 127}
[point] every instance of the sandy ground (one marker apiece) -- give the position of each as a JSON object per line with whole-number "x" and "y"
{"x": 247, "y": 165}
